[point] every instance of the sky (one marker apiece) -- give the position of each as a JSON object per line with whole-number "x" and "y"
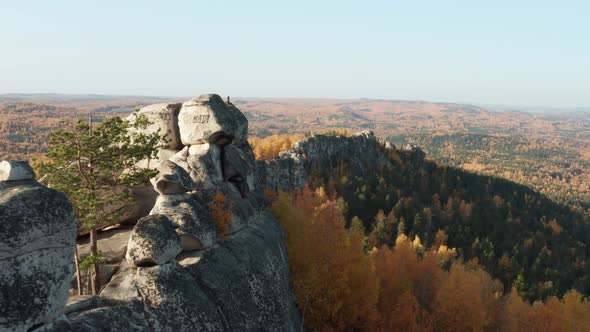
{"x": 493, "y": 52}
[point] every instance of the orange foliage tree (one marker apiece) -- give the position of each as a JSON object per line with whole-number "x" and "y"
{"x": 221, "y": 212}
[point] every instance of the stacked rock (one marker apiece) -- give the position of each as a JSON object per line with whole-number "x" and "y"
{"x": 216, "y": 134}
{"x": 190, "y": 217}
{"x": 206, "y": 141}
{"x": 37, "y": 243}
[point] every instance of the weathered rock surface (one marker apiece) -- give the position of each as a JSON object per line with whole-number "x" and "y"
{"x": 153, "y": 241}
{"x": 144, "y": 198}
{"x": 163, "y": 117}
{"x": 191, "y": 218}
{"x": 238, "y": 166}
{"x": 204, "y": 162}
{"x": 175, "y": 301}
{"x": 248, "y": 278}
{"x": 172, "y": 179}
{"x": 16, "y": 170}
{"x": 37, "y": 241}
{"x": 208, "y": 119}
{"x": 281, "y": 174}
{"x": 239, "y": 285}
{"x": 122, "y": 286}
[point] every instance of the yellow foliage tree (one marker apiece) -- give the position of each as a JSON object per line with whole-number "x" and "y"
{"x": 458, "y": 305}
{"x": 270, "y": 147}
{"x": 333, "y": 280}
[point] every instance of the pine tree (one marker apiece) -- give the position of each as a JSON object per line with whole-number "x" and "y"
{"x": 95, "y": 167}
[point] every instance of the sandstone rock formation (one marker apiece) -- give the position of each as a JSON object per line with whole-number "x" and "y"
{"x": 37, "y": 242}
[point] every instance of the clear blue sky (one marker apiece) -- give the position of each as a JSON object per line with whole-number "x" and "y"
{"x": 497, "y": 52}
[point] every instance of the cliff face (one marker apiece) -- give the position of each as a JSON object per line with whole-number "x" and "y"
{"x": 362, "y": 152}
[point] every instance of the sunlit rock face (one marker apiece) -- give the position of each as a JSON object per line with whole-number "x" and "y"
{"x": 208, "y": 119}
{"x": 37, "y": 243}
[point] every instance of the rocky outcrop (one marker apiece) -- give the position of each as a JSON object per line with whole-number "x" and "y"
{"x": 241, "y": 284}
{"x": 37, "y": 242}
{"x": 362, "y": 152}
{"x": 178, "y": 273}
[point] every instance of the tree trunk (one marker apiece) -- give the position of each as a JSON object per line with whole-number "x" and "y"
{"x": 78, "y": 275}
{"x": 94, "y": 268}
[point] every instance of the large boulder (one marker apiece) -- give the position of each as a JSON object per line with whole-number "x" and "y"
{"x": 16, "y": 170}
{"x": 153, "y": 241}
{"x": 208, "y": 119}
{"x": 172, "y": 179}
{"x": 204, "y": 162}
{"x": 162, "y": 117}
{"x": 192, "y": 219}
{"x": 37, "y": 243}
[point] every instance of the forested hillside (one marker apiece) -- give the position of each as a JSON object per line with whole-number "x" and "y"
{"x": 443, "y": 247}
{"x": 520, "y": 236}
{"x": 552, "y": 165}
